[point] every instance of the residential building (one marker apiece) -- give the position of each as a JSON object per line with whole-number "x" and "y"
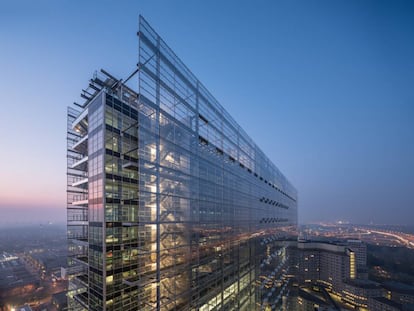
{"x": 333, "y": 266}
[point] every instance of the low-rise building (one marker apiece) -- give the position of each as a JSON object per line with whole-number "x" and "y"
{"x": 357, "y": 292}
{"x": 383, "y": 304}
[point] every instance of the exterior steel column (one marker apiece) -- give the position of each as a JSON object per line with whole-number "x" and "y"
{"x": 158, "y": 161}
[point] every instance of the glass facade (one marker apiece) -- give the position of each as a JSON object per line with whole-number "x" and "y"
{"x": 171, "y": 206}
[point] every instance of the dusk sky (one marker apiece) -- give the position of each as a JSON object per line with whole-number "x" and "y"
{"x": 325, "y": 89}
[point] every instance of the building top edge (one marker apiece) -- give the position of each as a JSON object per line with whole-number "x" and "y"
{"x": 110, "y": 84}
{"x": 142, "y": 21}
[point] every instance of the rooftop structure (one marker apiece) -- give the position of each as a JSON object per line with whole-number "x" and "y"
{"x": 384, "y": 304}
{"x": 399, "y": 292}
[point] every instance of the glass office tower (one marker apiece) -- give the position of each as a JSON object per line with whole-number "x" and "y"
{"x": 171, "y": 206}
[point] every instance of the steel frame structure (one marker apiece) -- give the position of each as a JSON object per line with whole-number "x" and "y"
{"x": 171, "y": 206}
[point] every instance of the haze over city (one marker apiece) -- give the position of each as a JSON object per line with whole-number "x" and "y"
{"x": 324, "y": 88}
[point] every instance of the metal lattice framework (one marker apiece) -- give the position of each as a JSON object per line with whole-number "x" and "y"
{"x": 171, "y": 206}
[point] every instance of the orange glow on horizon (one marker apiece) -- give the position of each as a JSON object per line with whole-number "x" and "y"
{"x": 28, "y": 202}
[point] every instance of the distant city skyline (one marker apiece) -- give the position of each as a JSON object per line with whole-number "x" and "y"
{"x": 324, "y": 88}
